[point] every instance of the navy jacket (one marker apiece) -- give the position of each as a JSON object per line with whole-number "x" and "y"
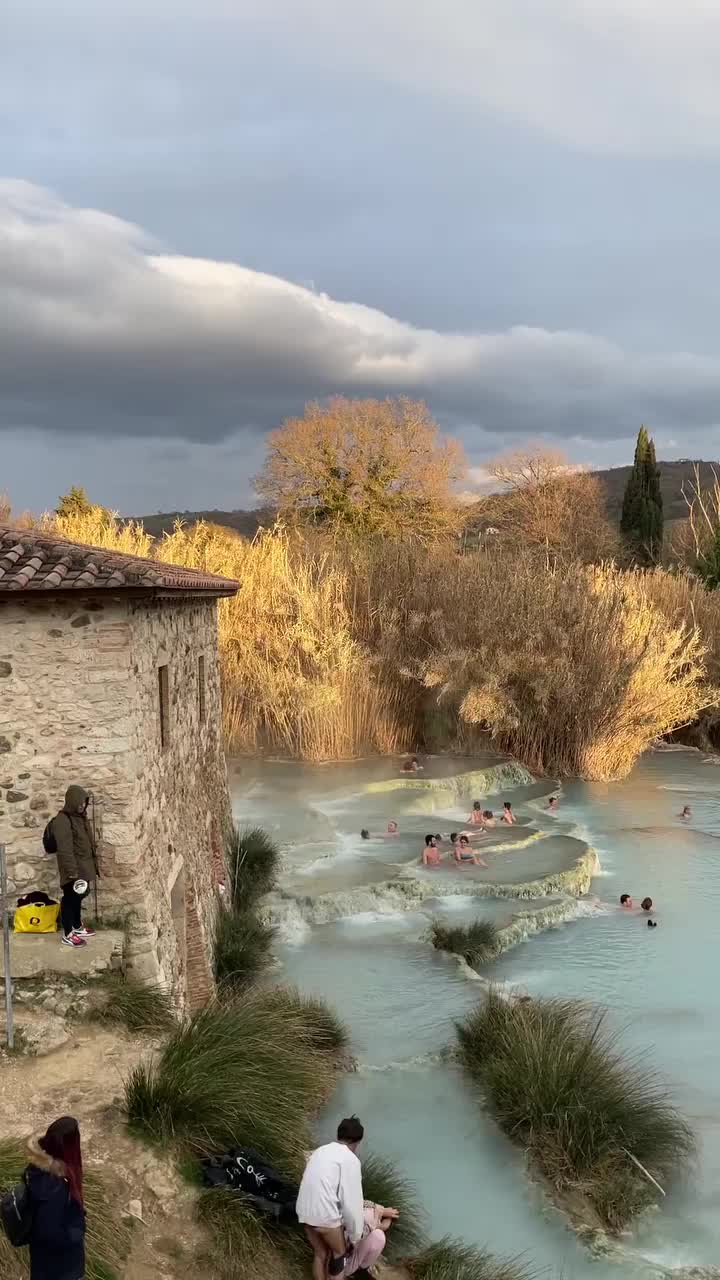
{"x": 57, "y": 1238}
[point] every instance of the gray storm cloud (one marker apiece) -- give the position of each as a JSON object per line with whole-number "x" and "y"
{"x": 102, "y": 333}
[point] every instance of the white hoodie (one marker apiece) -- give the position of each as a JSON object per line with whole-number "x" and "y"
{"x": 331, "y": 1191}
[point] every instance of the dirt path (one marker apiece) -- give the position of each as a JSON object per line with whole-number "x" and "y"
{"x": 85, "y": 1078}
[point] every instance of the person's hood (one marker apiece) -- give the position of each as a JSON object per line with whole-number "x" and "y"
{"x": 75, "y": 799}
{"x": 40, "y": 1159}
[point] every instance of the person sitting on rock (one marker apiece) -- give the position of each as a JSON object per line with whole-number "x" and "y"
{"x": 77, "y": 863}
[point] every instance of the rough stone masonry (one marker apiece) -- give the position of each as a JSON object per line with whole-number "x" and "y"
{"x": 121, "y": 694}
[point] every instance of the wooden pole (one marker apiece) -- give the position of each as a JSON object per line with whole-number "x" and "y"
{"x": 6, "y": 948}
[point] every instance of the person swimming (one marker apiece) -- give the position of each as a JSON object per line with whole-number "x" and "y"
{"x": 392, "y": 830}
{"x": 463, "y": 853}
{"x": 476, "y": 817}
{"x": 626, "y": 901}
{"x": 553, "y": 803}
{"x": 686, "y": 813}
{"x": 431, "y": 853}
{"x": 647, "y": 904}
{"x": 507, "y": 814}
{"x": 412, "y": 765}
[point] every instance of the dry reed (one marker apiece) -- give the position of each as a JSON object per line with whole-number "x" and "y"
{"x": 333, "y": 648}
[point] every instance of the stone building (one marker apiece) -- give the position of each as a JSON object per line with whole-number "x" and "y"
{"x": 109, "y": 678}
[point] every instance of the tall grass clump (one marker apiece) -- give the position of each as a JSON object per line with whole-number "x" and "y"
{"x": 244, "y": 1071}
{"x": 295, "y": 678}
{"x": 573, "y": 670}
{"x": 245, "y": 1246}
{"x": 476, "y": 943}
{"x": 252, "y": 859}
{"x": 594, "y": 1123}
{"x": 454, "y": 1260}
{"x": 241, "y": 947}
{"x": 384, "y": 1184}
{"x": 118, "y": 1000}
{"x": 327, "y": 1032}
{"x": 108, "y": 1239}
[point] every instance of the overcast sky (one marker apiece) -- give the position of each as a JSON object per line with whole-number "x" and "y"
{"x": 211, "y": 213}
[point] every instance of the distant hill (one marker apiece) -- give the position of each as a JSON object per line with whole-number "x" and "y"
{"x": 245, "y": 522}
{"x": 672, "y": 477}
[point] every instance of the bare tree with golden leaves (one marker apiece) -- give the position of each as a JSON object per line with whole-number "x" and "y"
{"x": 366, "y": 466}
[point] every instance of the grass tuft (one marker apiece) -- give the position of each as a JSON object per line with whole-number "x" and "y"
{"x": 246, "y": 1246}
{"x": 252, "y": 860}
{"x": 558, "y": 1085}
{"x": 242, "y": 1072}
{"x": 384, "y": 1184}
{"x": 119, "y": 1001}
{"x": 454, "y": 1260}
{"x": 241, "y": 947}
{"x": 476, "y": 943}
{"x": 108, "y": 1239}
{"x": 327, "y": 1032}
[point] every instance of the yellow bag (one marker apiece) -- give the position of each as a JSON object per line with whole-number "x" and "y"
{"x": 37, "y": 917}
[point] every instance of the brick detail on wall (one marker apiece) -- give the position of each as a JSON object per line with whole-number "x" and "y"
{"x": 199, "y": 979}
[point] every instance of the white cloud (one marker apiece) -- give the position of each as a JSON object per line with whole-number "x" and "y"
{"x": 99, "y": 333}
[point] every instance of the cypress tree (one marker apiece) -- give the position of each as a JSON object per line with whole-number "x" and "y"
{"x": 641, "y": 522}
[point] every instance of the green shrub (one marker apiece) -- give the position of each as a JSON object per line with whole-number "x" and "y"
{"x": 476, "y": 942}
{"x": 118, "y": 1000}
{"x": 245, "y": 1246}
{"x": 241, "y": 1072}
{"x": 241, "y": 947}
{"x": 385, "y": 1185}
{"x": 455, "y": 1260}
{"x": 252, "y": 859}
{"x": 108, "y": 1238}
{"x": 326, "y": 1030}
{"x": 558, "y": 1085}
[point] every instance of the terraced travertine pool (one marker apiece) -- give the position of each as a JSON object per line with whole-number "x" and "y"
{"x": 354, "y": 916}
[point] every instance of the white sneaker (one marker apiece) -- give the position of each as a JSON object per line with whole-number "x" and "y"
{"x": 72, "y": 940}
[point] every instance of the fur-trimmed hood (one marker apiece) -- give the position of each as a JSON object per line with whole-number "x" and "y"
{"x": 40, "y": 1159}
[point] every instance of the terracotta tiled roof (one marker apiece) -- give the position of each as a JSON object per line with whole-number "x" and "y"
{"x": 35, "y": 561}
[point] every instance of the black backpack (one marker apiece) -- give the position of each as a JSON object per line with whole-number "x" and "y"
{"x": 242, "y": 1169}
{"x": 16, "y": 1214}
{"x": 48, "y": 838}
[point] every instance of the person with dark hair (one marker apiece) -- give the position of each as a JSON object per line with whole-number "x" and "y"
{"x": 553, "y": 803}
{"x": 411, "y": 766}
{"x": 488, "y": 818}
{"x": 647, "y": 904}
{"x": 475, "y": 818}
{"x": 626, "y": 901}
{"x": 345, "y": 1233}
{"x": 77, "y": 863}
{"x": 54, "y": 1179}
{"x": 507, "y": 815}
{"x": 431, "y": 853}
{"x": 465, "y": 854}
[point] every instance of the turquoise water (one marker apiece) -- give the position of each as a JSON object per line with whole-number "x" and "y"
{"x": 353, "y": 919}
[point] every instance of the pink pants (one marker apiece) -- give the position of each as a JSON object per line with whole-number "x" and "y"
{"x": 366, "y": 1252}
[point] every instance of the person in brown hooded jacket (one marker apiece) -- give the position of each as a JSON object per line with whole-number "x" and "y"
{"x": 77, "y": 863}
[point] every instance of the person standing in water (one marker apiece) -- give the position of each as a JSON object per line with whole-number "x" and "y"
{"x": 77, "y": 863}
{"x": 507, "y": 815}
{"x": 54, "y": 1179}
{"x": 475, "y": 819}
{"x": 431, "y": 853}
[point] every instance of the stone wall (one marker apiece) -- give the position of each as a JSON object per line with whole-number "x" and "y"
{"x": 175, "y": 862}
{"x": 79, "y": 703}
{"x": 66, "y": 716}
